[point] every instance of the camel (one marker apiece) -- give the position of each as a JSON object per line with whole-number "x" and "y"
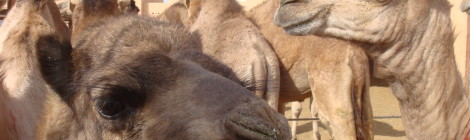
{"x": 22, "y": 88}
{"x": 129, "y": 85}
{"x": 408, "y": 50}
{"x": 335, "y": 70}
{"x": 228, "y": 36}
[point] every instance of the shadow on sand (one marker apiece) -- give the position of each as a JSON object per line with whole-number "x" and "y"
{"x": 381, "y": 128}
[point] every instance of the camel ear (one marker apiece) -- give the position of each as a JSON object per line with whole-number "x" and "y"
{"x": 55, "y": 63}
{"x": 87, "y": 12}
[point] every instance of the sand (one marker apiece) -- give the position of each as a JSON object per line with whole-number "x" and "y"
{"x": 383, "y": 104}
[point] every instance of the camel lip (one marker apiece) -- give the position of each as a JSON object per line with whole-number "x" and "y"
{"x": 256, "y": 132}
{"x": 306, "y": 25}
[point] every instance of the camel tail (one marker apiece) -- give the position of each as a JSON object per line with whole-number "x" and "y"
{"x": 361, "y": 99}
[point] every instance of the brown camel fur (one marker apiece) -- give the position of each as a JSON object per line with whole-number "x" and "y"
{"x": 335, "y": 70}
{"x": 228, "y": 36}
{"x": 410, "y": 42}
{"x": 23, "y": 91}
{"x": 118, "y": 83}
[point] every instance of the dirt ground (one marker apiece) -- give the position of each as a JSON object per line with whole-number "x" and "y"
{"x": 383, "y": 104}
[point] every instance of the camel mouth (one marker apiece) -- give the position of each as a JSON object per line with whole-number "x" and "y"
{"x": 305, "y": 25}
{"x": 255, "y": 130}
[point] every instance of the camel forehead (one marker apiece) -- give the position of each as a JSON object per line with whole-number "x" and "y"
{"x": 133, "y": 54}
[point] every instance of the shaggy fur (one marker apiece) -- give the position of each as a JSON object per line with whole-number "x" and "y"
{"x": 118, "y": 83}
{"x": 335, "y": 70}
{"x": 23, "y": 89}
{"x": 228, "y": 36}
{"x": 408, "y": 50}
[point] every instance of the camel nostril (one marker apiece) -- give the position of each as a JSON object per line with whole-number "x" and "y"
{"x": 257, "y": 121}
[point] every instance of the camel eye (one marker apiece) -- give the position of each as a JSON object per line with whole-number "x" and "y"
{"x": 111, "y": 108}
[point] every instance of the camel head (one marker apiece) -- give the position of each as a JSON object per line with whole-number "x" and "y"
{"x": 372, "y": 21}
{"x": 131, "y": 77}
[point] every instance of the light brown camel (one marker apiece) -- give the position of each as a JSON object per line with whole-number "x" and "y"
{"x": 129, "y": 84}
{"x": 228, "y": 36}
{"x": 411, "y": 44}
{"x": 23, "y": 90}
{"x": 335, "y": 70}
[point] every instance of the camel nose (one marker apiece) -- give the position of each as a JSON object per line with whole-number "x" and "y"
{"x": 257, "y": 121}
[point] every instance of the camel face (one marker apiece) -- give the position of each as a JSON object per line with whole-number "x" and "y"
{"x": 362, "y": 20}
{"x": 145, "y": 83}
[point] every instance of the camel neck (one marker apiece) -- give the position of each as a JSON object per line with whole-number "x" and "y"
{"x": 423, "y": 74}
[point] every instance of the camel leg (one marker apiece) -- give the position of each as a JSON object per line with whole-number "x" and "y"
{"x": 330, "y": 79}
{"x": 333, "y": 99}
{"x": 296, "y": 110}
{"x": 315, "y": 123}
{"x": 360, "y": 93}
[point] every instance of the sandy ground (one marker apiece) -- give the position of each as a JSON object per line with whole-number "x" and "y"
{"x": 383, "y": 104}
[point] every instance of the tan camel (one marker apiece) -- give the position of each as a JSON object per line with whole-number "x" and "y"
{"x": 335, "y": 70}
{"x": 128, "y": 85}
{"x": 228, "y": 36}
{"x": 408, "y": 49}
{"x": 23, "y": 90}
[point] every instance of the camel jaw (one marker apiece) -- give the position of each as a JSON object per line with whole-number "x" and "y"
{"x": 309, "y": 24}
